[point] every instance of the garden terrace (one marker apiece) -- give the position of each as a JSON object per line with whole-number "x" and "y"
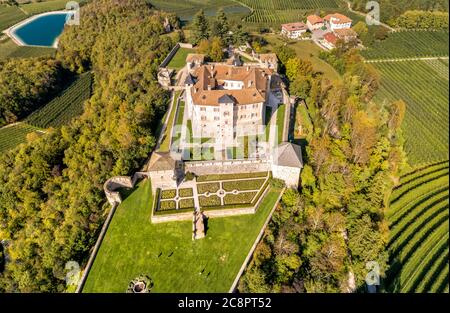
{"x": 133, "y": 245}
{"x": 173, "y": 201}
{"x": 252, "y": 184}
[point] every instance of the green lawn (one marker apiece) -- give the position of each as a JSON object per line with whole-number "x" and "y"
{"x": 165, "y": 144}
{"x": 306, "y": 50}
{"x": 281, "y": 111}
{"x": 179, "y": 59}
{"x": 133, "y": 245}
{"x": 303, "y": 123}
{"x": 176, "y": 133}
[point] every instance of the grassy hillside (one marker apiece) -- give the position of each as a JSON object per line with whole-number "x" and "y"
{"x": 419, "y": 238}
{"x": 166, "y": 251}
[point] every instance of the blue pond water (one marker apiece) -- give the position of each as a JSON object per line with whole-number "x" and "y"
{"x": 43, "y": 30}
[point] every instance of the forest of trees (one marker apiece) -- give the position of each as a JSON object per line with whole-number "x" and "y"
{"x": 422, "y": 20}
{"x": 51, "y": 200}
{"x": 25, "y": 85}
{"x": 212, "y": 37}
{"x": 320, "y": 239}
{"x": 391, "y": 9}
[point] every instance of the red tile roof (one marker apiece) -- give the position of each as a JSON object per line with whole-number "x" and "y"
{"x": 294, "y": 26}
{"x": 330, "y": 37}
{"x": 314, "y": 19}
{"x": 338, "y": 18}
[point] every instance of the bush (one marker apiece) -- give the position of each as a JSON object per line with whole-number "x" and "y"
{"x": 241, "y": 198}
{"x": 277, "y": 183}
{"x": 168, "y": 194}
{"x": 189, "y": 176}
{"x": 167, "y": 205}
{"x": 186, "y": 203}
{"x": 243, "y": 184}
{"x": 185, "y": 192}
{"x": 209, "y": 201}
{"x": 208, "y": 187}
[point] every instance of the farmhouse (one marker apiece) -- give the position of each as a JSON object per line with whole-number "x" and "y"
{"x": 314, "y": 22}
{"x": 293, "y": 30}
{"x": 337, "y": 21}
{"x": 329, "y": 40}
{"x": 221, "y": 97}
{"x": 346, "y": 34}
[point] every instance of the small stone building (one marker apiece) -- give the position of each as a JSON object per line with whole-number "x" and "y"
{"x": 164, "y": 171}
{"x": 287, "y": 163}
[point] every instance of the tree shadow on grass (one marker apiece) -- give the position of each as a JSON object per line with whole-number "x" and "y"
{"x": 126, "y": 192}
{"x": 302, "y": 142}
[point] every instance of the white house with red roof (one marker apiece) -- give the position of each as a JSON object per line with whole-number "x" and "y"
{"x": 314, "y": 22}
{"x": 338, "y": 21}
{"x": 329, "y": 40}
{"x": 293, "y": 30}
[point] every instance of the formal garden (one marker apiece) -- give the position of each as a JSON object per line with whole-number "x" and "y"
{"x": 214, "y": 192}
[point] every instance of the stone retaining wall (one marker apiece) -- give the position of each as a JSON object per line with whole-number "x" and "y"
{"x": 227, "y": 167}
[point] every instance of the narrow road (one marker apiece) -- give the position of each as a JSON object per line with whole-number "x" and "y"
{"x": 404, "y": 59}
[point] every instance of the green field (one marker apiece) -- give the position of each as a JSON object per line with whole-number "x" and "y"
{"x": 186, "y": 9}
{"x": 64, "y": 107}
{"x": 40, "y": 7}
{"x": 8, "y": 49}
{"x": 410, "y": 44}
{"x": 423, "y": 85}
{"x": 10, "y": 15}
{"x": 419, "y": 231}
{"x": 12, "y": 136}
{"x": 179, "y": 59}
{"x": 165, "y": 144}
{"x": 166, "y": 252}
{"x": 279, "y": 11}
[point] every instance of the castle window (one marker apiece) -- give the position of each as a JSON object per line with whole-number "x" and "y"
{"x": 216, "y": 118}
{"x": 216, "y": 109}
{"x": 203, "y": 118}
{"x": 202, "y": 109}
